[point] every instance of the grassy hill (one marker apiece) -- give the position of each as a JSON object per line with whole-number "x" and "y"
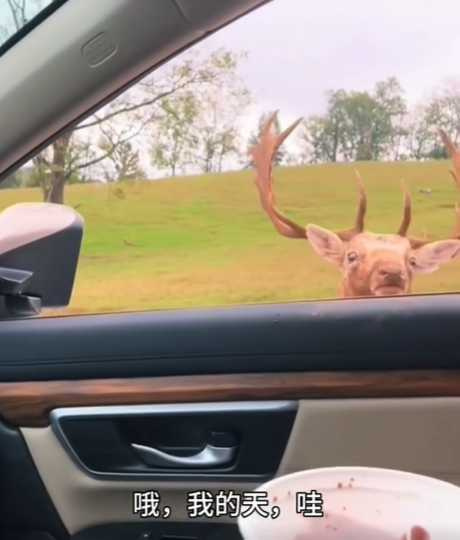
{"x": 204, "y": 241}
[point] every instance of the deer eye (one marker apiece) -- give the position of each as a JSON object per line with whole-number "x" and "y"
{"x": 352, "y": 256}
{"x": 412, "y": 261}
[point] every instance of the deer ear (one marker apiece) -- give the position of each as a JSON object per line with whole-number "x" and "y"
{"x": 326, "y": 243}
{"x": 429, "y": 257}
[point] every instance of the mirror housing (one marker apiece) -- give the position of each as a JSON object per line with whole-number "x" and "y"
{"x": 39, "y": 250}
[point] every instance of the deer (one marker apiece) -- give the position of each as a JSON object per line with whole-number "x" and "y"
{"x": 371, "y": 264}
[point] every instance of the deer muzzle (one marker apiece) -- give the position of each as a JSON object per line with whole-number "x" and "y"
{"x": 389, "y": 279}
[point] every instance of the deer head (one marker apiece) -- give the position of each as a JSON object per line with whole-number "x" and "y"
{"x": 371, "y": 264}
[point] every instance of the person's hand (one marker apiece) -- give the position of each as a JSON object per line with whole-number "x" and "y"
{"x": 417, "y": 533}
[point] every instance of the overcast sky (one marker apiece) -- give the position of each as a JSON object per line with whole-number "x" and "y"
{"x": 300, "y": 48}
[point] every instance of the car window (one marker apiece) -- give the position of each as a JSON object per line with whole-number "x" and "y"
{"x": 18, "y": 15}
{"x": 178, "y": 211}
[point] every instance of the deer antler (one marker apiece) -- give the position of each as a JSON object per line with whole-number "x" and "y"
{"x": 407, "y": 211}
{"x": 454, "y": 154}
{"x": 360, "y": 214}
{"x": 262, "y": 154}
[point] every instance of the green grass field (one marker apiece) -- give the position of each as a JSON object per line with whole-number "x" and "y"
{"x": 204, "y": 241}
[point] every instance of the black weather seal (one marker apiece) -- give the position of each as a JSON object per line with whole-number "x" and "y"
{"x": 30, "y": 25}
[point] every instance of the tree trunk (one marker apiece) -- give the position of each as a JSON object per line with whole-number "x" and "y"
{"x": 56, "y": 193}
{"x": 46, "y": 191}
{"x": 58, "y": 173}
{"x": 335, "y": 145}
{"x": 221, "y": 159}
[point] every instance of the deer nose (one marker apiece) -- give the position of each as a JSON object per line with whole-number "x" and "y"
{"x": 392, "y": 273}
{"x": 385, "y": 272}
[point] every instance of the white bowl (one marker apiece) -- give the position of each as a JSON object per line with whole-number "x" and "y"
{"x": 359, "y": 503}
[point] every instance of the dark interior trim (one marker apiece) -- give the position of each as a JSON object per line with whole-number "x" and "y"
{"x": 345, "y": 335}
{"x": 28, "y": 404}
{"x": 27, "y": 511}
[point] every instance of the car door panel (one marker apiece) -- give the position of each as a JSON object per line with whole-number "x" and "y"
{"x": 419, "y": 435}
{"x": 384, "y": 392}
{"x": 413, "y": 434}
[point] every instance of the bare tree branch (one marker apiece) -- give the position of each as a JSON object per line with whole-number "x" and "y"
{"x": 18, "y": 12}
{"x": 108, "y": 153}
{"x": 199, "y": 78}
{"x": 40, "y": 159}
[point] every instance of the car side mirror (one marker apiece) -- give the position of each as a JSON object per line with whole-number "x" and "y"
{"x": 39, "y": 250}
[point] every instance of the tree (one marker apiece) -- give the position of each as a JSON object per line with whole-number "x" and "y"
{"x": 215, "y": 146}
{"x": 390, "y": 96}
{"x": 126, "y": 162}
{"x": 174, "y": 142}
{"x": 373, "y": 121}
{"x": 150, "y": 105}
{"x": 323, "y": 135}
{"x": 419, "y": 138}
{"x": 357, "y": 125}
{"x": 444, "y": 109}
{"x": 198, "y": 128}
{"x": 12, "y": 181}
{"x": 216, "y": 130}
{"x": 441, "y": 110}
{"x": 123, "y": 158}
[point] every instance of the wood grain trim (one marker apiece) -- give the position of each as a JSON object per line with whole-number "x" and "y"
{"x": 28, "y": 404}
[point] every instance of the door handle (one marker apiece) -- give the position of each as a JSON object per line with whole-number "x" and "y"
{"x": 210, "y": 456}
